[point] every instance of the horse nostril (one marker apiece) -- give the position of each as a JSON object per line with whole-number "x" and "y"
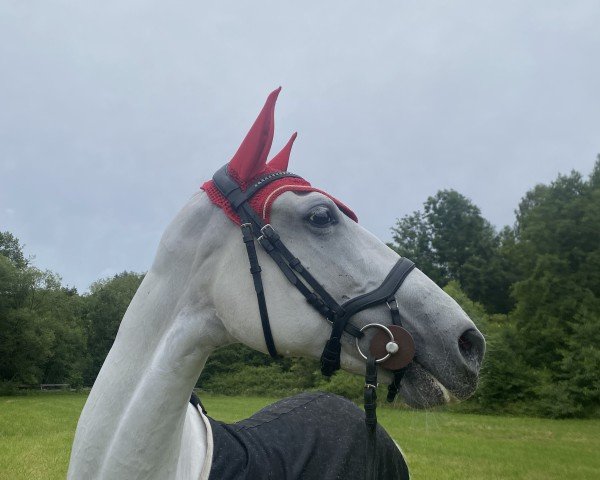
{"x": 471, "y": 345}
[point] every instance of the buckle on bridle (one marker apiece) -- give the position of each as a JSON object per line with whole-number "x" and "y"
{"x": 392, "y": 304}
{"x": 247, "y": 232}
{"x": 268, "y": 231}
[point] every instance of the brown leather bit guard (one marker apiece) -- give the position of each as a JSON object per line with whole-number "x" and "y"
{"x": 406, "y": 347}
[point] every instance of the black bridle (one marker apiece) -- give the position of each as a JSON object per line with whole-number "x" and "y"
{"x": 316, "y": 295}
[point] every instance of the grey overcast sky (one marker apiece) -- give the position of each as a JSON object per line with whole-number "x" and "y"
{"x": 113, "y": 113}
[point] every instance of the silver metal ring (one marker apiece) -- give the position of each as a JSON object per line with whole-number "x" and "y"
{"x": 375, "y": 325}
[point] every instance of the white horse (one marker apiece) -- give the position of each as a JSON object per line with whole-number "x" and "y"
{"x": 198, "y": 296}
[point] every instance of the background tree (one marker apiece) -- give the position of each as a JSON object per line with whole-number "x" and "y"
{"x": 27, "y": 339}
{"x": 62, "y": 310}
{"x": 41, "y": 326}
{"x": 557, "y": 310}
{"x": 507, "y": 383}
{"x": 105, "y": 307}
{"x": 11, "y": 248}
{"x": 450, "y": 240}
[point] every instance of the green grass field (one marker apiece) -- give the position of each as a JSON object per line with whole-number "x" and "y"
{"x": 36, "y": 433}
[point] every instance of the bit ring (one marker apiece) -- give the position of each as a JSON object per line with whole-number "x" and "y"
{"x": 382, "y": 327}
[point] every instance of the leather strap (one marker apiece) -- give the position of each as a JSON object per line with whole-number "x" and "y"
{"x": 196, "y": 402}
{"x": 370, "y": 405}
{"x": 330, "y": 358}
{"x": 394, "y": 387}
{"x": 255, "y": 270}
{"x": 371, "y": 392}
{"x": 381, "y": 294}
{"x": 251, "y": 225}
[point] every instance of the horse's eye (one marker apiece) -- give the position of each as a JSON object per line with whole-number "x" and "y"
{"x": 321, "y": 217}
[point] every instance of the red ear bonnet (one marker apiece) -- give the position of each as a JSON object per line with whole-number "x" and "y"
{"x": 251, "y": 156}
{"x": 282, "y": 159}
{"x": 250, "y": 160}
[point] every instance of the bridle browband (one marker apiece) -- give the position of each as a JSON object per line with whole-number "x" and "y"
{"x": 316, "y": 295}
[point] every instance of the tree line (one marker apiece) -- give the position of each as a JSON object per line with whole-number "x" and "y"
{"x": 533, "y": 288}
{"x": 49, "y": 333}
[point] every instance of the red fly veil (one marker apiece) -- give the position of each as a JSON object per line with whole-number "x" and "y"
{"x": 250, "y": 162}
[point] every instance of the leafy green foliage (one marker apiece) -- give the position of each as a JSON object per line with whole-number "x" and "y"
{"x": 11, "y": 248}
{"x": 577, "y": 374}
{"x": 450, "y": 240}
{"x": 25, "y": 346}
{"x": 557, "y": 312}
{"x": 105, "y": 307}
{"x": 50, "y": 333}
{"x": 505, "y": 380}
{"x": 544, "y": 356}
{"x": 41, "y": 336}
{"x": 239, "y": 370}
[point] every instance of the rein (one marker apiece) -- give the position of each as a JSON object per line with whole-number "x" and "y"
{"x": 255, "y": 230}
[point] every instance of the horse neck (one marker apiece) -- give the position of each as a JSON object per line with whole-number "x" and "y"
{"x": 137, "y": 408}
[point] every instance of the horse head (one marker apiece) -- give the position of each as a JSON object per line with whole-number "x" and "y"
{"x": 346, "y": 260}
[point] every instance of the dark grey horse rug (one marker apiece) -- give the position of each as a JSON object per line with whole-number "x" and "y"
{"x": 311, "y": 436}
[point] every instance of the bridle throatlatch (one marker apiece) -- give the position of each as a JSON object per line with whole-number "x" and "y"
{"x": 253, "y": 228}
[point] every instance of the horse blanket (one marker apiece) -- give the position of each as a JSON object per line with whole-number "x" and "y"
{"x": 311, "y": 436}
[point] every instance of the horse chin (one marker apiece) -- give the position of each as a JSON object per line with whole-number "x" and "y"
{"x": 420, "y": 389}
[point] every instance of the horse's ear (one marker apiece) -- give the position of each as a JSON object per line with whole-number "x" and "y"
{"x": 282, "y": 159}
{"x": 251, "y": 156}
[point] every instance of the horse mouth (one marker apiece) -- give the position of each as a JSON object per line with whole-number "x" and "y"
{"x": 421, "y": 389}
